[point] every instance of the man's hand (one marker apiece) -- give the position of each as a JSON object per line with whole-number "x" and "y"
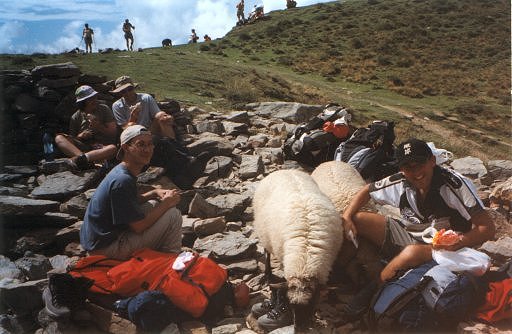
{"x": 170, "y": 198}
{"x": 85, "y": 135}
{"x": 348, "y": 225}
{"x": 134, "y": 112}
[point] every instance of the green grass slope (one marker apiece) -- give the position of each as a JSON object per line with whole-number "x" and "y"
{"x": 439, "y": 68}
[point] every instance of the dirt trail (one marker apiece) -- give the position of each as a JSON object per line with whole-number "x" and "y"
{"x": 477, "y": 149}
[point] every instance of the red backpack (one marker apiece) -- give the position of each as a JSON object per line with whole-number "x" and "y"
{"x": 498, "y": 302}
{"x": 189, "y": 289}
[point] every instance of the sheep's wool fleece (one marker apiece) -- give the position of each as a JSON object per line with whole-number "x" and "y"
{"x": 340, "y": 182}
{"x": 297, "y": 224}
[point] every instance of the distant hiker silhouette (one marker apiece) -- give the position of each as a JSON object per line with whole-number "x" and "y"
{"x": 87, "y": 35}
{"x": 207, "y": 38}
{"x": 193, "y": 37}
{"x": 128, "y": 36}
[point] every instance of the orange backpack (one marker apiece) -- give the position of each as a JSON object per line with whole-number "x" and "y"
{"x": 189, "y": 289}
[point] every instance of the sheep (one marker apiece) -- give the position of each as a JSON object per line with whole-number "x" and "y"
{"x": 340, "y": 182}
{"x": 299, "y": 226}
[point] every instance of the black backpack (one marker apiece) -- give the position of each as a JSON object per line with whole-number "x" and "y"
{"x": 370, "y": 150}
{"x": 309, "y": 143}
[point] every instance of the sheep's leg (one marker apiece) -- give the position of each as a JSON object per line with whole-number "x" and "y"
{"x": 268, "y": 268}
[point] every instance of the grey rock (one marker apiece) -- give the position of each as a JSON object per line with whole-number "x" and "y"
{"x": 227, "y": 329}
{"x": 60, "y": 262}
{"x": 251, "y": 166}
{"x": 270, "y": 155}
{"x": 8, "y": 269}
{"x": 200, "y": 208}
{"x": 34, "y": 267}
{"x": 152, "y": 174}
{"x": 500, "y": 169}
{"x": 36, "y": 240}
{"x": 219, "y": 166}
{"x": 241, "y": 141}
{"x": 239, "y": 117}
{"x": 258, "y": 140}
{"x": 230, "y": 205}
{"x": 210, "y": 126}
{"x": 68, "y": 234}
{"x": 58, "y": 83}
{"x": 23, "y": 170}
{"x": 226, "y": 246}
{"x": 209, "y": 226}
{"x": 26, "y": 103}
{"x": 62, "y": 70}
{"x": 288, "y": 111}
{"x": 45, "y": 93}
{"x": 211, "y": 143}
{"x": 500, "y": 250}
{"x": 12, "y": 191}
{"x": 242, "y": 267}
{"x": 234, "y": 129}
{"x": 10, "y": 177}
{"x": 60, "y": 186}
{"x": 23, "y": 298}
{"x": 13, "y": 205}
{"x": 469, "y": 166}
{"x": 76, "y": 206}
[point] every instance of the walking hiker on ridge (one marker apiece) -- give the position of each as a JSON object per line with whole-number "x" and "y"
{"x": 141, "y": 108}
{"x": 87, "y": 35}
{"x": 427, "y": 196}
{"x": 92, "y": 132}
{"x": 193, "y": 37}
{"x": 128, "y": 36}
{"x": 240, "y": 7}
{"x": 119, "y": 220}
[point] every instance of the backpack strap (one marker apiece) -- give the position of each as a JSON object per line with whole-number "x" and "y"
{"x": 396, "y": 305}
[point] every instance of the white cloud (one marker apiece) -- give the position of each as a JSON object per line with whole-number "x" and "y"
{"x": 154, "y": 20}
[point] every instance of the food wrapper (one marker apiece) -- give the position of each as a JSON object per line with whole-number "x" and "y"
{"x": 445, "y": 237}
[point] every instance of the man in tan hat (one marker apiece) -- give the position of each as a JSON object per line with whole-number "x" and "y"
{"x": 119, "y": 220}
{"x": 92, "y": 131}
{"x": 140, "y": 108}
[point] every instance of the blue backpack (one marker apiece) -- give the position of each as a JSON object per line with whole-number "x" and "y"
{"x": 429, "y": 297}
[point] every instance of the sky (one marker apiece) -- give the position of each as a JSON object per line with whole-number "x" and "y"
{"x": 55, "y": 26}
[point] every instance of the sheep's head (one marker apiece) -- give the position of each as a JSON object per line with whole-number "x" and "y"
{"x": 301, "y": 291}
{"x": 302, "y": 294}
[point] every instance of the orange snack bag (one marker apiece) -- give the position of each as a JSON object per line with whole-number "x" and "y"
{"x": 445, "y": 238}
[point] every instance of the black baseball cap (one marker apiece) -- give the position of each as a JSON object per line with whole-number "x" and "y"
{"x": 412, "y": 150}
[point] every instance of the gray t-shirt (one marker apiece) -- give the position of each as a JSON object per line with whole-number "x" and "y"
{"x": 121, "y": 110}
{"x": 111, "y": 209}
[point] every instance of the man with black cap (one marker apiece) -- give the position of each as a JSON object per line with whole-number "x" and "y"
{"x": 119, "y": 220}
{"x": 429, "y": 198}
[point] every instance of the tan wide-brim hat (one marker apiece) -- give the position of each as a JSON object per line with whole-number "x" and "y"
{"x": 122, "y": 83}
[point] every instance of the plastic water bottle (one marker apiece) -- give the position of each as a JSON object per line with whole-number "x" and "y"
{"x": 48, "y": 147}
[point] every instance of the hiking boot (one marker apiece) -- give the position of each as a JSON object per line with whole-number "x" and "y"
{"x": 65, "y": 294}
{"x": 82, "y": 163}
{"x": 266, "y": 306}
{"x": 279, "y": 316}
{"x": 53, "y": 306}
{"x": 360, "y": 303}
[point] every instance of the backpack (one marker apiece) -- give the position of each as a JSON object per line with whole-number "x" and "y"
{"x": 429, "y": 297}
{"x": 150, "y": 311}
{"x": 370, "y": 151}
{"x": 498, "y": 300}
{"x": 309, "y": 143}
{"x": 188, "y": 289}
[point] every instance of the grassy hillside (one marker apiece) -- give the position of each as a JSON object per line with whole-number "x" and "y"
{"x": 440, "y": 68}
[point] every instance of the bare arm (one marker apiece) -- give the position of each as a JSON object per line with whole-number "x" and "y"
{"x": 359, "y": 200}
{"x": 483, "y": 230}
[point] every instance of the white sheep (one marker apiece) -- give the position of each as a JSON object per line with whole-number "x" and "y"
{"x": 340, "y": 182}
{"x": 300, "y": 227}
